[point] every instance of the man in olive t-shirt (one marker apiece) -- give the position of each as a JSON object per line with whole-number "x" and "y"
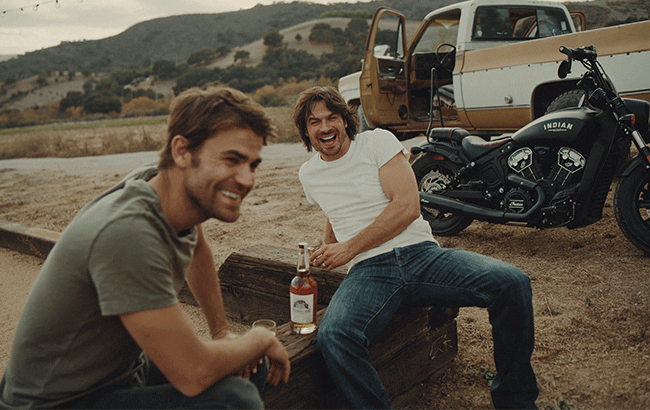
{"x": 108, "y": 291}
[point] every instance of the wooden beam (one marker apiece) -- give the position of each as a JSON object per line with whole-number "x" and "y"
{"x": 416, "y": 343}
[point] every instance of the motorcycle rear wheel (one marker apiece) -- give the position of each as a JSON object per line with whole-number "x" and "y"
{"x": 433, "y": 175}
{"x": 632, "y": 207}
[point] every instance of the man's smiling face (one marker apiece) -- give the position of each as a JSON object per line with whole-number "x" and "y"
{"x": 223, "y": 173}
{"x": 326, "y": 132}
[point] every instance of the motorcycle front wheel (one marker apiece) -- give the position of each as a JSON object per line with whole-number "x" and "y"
{"x": 632, "y": 207}
{"x": 433, "y": 175}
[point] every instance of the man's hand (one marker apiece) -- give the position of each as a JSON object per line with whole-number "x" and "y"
{"x": 400, "y": 187}
{"x": 332, "y": 255}
{"x": 279, "y": 363}
{"x": 250, "y": 368}
{"x": 192, "y": 364}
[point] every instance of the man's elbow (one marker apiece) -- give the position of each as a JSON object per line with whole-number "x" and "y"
{"x": 413, "y": 209}
{"x": 190, "y": 391}
{"x": 192, "y": 385}
{"x": 414, "y": 215}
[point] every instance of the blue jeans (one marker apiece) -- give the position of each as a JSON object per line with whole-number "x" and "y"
{"x": 425, "y": 275}
{"x": 157, "y": 393}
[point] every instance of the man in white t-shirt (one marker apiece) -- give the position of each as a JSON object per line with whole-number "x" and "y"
{"x": 368, "y": 192}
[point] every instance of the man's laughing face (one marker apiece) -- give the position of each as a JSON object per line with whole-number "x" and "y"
{"x": 223, "y": 173}
{"x": 326, "y": 131}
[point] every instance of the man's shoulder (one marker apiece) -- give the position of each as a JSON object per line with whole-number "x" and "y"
{"x": 375, "y": 133}
{"x": 374, "y": 139}
{"x": 309, "y": 164}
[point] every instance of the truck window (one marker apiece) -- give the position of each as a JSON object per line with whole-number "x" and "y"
{"x": 517, "y": 23}
{"x": 441, "y": 29}
{"x": 389, "y": 42}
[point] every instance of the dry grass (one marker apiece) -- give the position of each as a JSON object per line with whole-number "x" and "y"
{"x": 107, "y": 137}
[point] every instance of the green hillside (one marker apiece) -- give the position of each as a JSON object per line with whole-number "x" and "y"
{"x": 178, "y": 37}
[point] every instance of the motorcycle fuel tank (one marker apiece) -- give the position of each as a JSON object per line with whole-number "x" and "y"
{"x": 560, "y": 126}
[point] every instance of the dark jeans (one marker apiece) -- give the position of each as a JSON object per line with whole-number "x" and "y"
{"x": 157, "y": 393}
{"x": 427, "y": 275}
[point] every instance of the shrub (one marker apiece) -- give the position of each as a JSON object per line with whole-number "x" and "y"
{"x": 71, "y": 99}
{"x": 142, "y": 106}
{"x": 273, "y": 39}
{"x": 99, "y": 103}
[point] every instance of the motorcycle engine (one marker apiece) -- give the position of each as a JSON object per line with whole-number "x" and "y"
{"x": 569, "y": 161}
{"x": 527, "y": 163}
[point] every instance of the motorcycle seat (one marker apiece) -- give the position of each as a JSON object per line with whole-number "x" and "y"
{"x": 473, "y": 146}
{"x": 449, "y": 133}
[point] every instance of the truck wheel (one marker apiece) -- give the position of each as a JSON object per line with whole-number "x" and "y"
{"x": 363, "y": 123}
{"x": 573, "y": 98}
{"x": 632, "y": 207}
{"x": 432, "y": 175}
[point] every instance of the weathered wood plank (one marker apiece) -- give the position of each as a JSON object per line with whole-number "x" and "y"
{"x": 416, "y": 343}
{"x": 416, "y": 358}
{"x": 31, "y": 241}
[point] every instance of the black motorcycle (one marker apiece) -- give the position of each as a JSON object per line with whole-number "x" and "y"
{"x": 556, "y": 171}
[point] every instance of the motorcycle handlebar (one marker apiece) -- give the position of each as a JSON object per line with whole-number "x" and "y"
{"x": 582, "y": 53}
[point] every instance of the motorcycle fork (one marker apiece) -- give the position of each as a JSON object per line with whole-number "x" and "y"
{"x": 597, "y": 176}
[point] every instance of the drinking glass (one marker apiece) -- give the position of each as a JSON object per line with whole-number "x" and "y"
{"x": 267, "y": 324}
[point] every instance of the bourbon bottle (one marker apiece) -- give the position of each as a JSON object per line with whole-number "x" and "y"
{"x": 303, "y": 295}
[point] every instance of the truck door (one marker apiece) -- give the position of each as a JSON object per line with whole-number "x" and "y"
{"x": 432, "y": 62}
{"x": 383, "y": 76}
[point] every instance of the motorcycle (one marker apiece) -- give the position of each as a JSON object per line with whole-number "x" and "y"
{"x": 556, "y": 171}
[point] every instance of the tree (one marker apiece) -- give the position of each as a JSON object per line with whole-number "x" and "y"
{"x": 242, "y": 55}
{"x": 100, "y": 103}
{"x": 200, "y": 57}
{"x": 164, "y": 69}
{"x": 357, "y": 30}
{"x": 41, "y": 81}
{"x": 222, "y": 51}
{"x": 124, "y": 77}
{"x": 194, "y": 77}
{"x": 273, "y": 39}
{"x": 88, "y": 86}
{"x": 323, "y": 33}
{"x": 71, "y": 99}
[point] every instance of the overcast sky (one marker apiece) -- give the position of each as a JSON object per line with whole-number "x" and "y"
{"x": 41, "y": 24}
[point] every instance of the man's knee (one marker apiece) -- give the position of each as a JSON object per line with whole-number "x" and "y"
{"x": 326, "y": 335}
{"x": 520, "y": 281}
{"x": 233, "y": 392}
{"x": 333, "y": 335}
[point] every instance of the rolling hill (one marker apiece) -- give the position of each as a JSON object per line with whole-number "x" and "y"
{"x": 175, "y": 38}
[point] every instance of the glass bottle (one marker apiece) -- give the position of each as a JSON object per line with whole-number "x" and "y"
{"x": 303, "y": 295}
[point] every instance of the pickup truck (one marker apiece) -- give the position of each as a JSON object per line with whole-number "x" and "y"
{"x": 488, "y": 66}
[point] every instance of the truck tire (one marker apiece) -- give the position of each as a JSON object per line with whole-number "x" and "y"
{"x": 632, "y": 207}
{"x": 573, "y": 98}
{"x": 432, "y": 175}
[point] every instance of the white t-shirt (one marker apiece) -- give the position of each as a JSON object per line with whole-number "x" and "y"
{"x": 349, "y": 192}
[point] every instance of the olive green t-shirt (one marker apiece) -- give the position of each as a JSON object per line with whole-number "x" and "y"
{"x": 118, "y": 255}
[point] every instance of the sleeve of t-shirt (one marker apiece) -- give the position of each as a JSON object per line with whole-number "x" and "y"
{"x": 386, "y": 146}
{"x": 131, "y": 267}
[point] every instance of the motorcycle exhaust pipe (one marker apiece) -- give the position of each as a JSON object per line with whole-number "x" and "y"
{"x": 480, "y": 213}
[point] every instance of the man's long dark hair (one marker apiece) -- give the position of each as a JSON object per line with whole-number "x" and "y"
{"x": 333, "y": 101}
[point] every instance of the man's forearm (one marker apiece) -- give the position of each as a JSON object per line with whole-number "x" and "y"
{"x": 389, "y": 223}
{"x": 203, "y": 281}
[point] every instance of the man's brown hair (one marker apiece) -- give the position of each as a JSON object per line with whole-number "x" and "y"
{"x": 198, "y": 114}
{"x": 333, "y": 101}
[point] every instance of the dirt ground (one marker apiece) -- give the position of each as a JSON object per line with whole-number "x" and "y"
{"x": 591, "y": 286}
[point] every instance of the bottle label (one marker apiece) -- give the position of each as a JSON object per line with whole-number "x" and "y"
{"x": 302, "y": 308}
